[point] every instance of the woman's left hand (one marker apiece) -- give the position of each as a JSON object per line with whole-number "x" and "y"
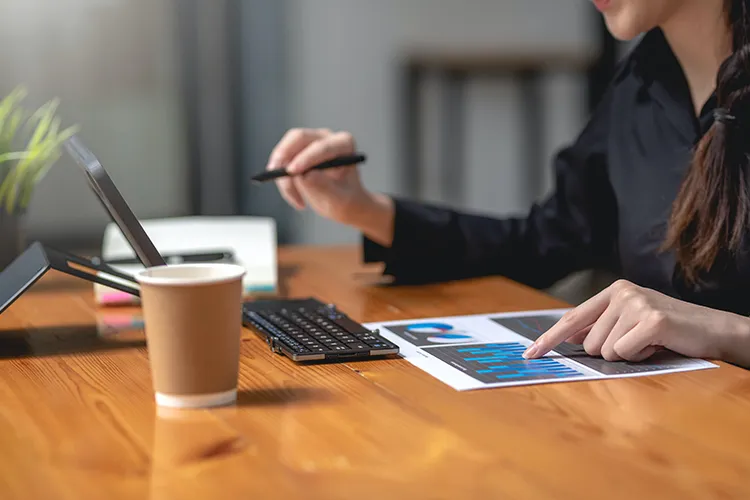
{"x": 628, "y": 322}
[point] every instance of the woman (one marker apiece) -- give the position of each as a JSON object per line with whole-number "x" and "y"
{"x": 655, "y": 187}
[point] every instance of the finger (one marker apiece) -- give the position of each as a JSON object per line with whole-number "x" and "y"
{"x": 622, "y": 327}
{"x": 310, "y": 185}
{"x": 638, "y": 343}
{"x": 290, "y": 193}
{"x": 600, "y": 331}
{"x": 579, "y": 337}
{"x": 291, "y": 144}
{"x": 324, "y": 149}
{"x": 571, "y": 323}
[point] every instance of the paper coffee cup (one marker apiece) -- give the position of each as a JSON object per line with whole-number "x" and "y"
{"x": 193, "y": 322}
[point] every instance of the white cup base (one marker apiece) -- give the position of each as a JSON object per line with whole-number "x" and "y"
{"x": 196, "y": 400}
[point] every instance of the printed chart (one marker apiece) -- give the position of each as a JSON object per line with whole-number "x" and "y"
{"x": 490, "y": 363}
{"x": 433, "y": 333}
{"x": 483, "y": 351}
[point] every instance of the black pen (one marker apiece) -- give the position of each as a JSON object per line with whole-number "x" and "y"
{"x": 341, "y": 161}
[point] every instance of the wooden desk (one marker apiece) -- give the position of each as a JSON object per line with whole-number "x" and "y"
{"x": 78, "y": 421}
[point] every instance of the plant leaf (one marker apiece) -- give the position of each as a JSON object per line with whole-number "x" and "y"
{"x": 13, "y": 156}
{"x": 10, "y": 118}
{"x": 42, "y": 168}
{"x": 42, "y": 150}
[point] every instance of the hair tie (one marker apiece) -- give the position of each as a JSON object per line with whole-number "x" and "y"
{"x": 722, "y": 115}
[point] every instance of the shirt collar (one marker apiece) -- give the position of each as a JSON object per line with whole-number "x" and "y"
{"x": 663, "y": 78}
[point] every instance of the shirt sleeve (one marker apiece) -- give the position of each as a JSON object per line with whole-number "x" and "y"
{"x": 574, "y": 228}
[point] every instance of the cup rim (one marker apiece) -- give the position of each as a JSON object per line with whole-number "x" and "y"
{"x": 232, "y": 272}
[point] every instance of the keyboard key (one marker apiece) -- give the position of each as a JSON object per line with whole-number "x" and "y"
{"x": 357, "y": 346}
{"x": 351, "y": 326}
{"x": 380, "y": 345}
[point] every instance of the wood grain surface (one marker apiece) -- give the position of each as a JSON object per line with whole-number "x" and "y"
{"x": 78, "y": 421}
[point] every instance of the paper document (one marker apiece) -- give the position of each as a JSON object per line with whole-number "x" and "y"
{"x": 484, "y": 351}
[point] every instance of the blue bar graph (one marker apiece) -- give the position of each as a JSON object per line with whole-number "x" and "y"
{"x": 502, "y": 362}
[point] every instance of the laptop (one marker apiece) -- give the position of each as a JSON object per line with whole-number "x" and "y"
{"x": 303, "y": 329}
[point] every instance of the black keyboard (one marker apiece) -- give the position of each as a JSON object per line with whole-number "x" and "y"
{"x": 308, "y": 330}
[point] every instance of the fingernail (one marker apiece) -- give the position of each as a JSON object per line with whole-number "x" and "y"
{"x": 531, "y": 351}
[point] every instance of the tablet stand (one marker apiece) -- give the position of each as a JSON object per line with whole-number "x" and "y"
{"x": 37, "y": 259}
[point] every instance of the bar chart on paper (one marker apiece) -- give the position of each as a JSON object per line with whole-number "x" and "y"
{"x": 485, "y": 351}
{"x": 501, "y": 362}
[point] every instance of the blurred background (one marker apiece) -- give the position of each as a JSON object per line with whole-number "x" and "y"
{"x": 461, "y": 102}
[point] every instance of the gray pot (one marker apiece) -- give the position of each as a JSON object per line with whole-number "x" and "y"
{"x": 12, "y": 236}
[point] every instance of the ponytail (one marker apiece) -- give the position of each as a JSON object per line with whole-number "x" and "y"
{"x": 712, "y": 210}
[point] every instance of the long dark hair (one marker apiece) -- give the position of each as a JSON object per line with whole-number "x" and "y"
{"x": 712, "y": 209}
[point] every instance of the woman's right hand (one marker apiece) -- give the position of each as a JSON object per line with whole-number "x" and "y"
{"x": 336, "y": 193}
{"x": 332, "y": 193}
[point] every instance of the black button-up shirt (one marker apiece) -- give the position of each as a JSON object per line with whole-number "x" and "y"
{"x": 615, "y": 186}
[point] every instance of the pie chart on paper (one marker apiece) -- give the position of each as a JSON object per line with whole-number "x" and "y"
{"x": 439, "y": 333}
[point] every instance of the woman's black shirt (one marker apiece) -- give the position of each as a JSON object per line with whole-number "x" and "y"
{"x": 615, "y": 186}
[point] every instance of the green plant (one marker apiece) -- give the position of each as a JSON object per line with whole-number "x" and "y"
{"x": 21, "y": 170}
